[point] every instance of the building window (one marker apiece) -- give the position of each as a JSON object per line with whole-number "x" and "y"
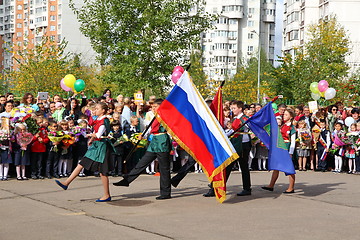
{"x": 52, "y": 18}
{"x": 19, "y": 25}
{"x": 52, "y": 8}
{"x": 52, "y": 28}
{"x": 250, "y": 35}
{"x": 19, "y": 16}
{"x": 19, "y": 7}
{"x": 250, "y": 48}
{"x": 251, "y": 23}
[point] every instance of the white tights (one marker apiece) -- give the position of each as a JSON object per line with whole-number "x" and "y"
{"x": 338, "y": 163}
{"x": 20, "y": 171}
{"x": 262, "y": 163}
{"x": 4, "y": 169}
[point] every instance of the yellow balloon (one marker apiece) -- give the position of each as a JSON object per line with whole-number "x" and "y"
{"x": 69, "y": 81}
{"x": 322, "y": 94}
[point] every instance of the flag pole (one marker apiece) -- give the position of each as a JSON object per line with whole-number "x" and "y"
{"x": 243, "y": 124}
{"x": 137, "y": 143}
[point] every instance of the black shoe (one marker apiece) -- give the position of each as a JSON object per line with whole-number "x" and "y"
{"x": 162, "y": 197}
{"x": 122, "y": 182}
{"x": 34, "y": 177}
{"x": 286, "y": 192}
{"x": 268, "y": 188}
{"x": 56, "y": 176}
{"x": 49, "y": 177}
{"x": 210, "y": 193}
{"x": 244, "y": 193}
{"x": 40, "y": 177}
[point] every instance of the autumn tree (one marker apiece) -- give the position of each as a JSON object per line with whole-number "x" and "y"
{"x": 142, "y": 40}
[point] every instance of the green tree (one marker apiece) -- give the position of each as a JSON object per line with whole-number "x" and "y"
{"x": 243, "y": 85}
{"x": 322, "y": 58}
{"x": 142, "y": 40}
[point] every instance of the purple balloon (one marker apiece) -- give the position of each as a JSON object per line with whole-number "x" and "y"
{"x": 179, "y": 68}
{"x": 323, "y": 85}
{"x": 64, "y": 87}
{"x": 176, "y": 76}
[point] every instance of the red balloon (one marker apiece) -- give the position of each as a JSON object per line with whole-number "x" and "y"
{"x": 176, "y": 76}
{"x": 179, "y": 68}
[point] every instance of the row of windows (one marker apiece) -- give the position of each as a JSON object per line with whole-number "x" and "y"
{"x": 224, "y": 20}
{"x": 223, "y": 33}
{"x": 232, "y": 8}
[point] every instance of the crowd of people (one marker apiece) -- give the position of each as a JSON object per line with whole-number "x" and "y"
{"x": 325, "y": 140}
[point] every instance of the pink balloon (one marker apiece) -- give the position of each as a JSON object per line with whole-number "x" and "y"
{"x": 176, "y": 76}
{"x": 64, "y": 87}
{"x": 179, "y": 68}
{"x": 323, "y": 85}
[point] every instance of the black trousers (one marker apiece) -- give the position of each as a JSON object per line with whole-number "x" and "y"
{"x": 164, "y": 167}
{"x": 183, "y": 171}
{"x": 244, "y": 166}
{"x": 52, "y": 163}
{"x": 36, "y": 163}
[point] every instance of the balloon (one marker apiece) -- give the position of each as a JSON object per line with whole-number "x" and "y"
{"x": 175, "y": 76}
{"x": 79, "y": 85}
{"x": 274, "y": 107}
{"x": 315, "y": 96}
{"x": 314, "y": 87}
{"x": 349, "y": 121}
{"x": 330, "y": 93}
{"x": 322, "y": 94}
{"x": 323, "y": 85}
{"x": 179, "y": 68}
{"x": 69, "y": 80}
{"x": 64, "y": 87}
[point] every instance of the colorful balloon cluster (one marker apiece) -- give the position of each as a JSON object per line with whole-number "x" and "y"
{"x": 69, "y": 83}
{"x": 321, "y": 89}
{"x": 177, "y": 73}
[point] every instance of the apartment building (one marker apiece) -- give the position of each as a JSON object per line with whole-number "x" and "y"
{"x": 241, "y": 26}
{"x": 300, "y": 14}
{"x": 27, "y": 21}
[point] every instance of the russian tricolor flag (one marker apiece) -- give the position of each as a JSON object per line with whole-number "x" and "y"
{"x": 191, "y": 123}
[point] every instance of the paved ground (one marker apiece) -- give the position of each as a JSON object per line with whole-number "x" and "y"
{"x": 325, "y": 206}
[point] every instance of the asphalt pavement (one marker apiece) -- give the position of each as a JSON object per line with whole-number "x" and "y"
{"x": 324, "y": 206}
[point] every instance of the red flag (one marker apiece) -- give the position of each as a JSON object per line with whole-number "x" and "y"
{"x": 219, "y": 180}
{"x": 217, "y": 106}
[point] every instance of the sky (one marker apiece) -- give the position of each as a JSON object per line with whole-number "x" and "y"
{"x": 278, "y": 28}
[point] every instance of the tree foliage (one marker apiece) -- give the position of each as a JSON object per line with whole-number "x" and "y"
{"x": 321, "y": 58}
{"x": 142, "y": 40}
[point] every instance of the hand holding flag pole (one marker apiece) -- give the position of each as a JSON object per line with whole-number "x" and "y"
{"x": 243, "y": 124}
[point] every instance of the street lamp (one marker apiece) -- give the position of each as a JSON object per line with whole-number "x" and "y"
{"x": 259, "y": 52}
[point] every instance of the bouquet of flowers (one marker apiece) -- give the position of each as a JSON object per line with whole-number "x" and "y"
{"x": 24, "y": 139}
{"x": 56, "y": 137}
{"x": 352, "y": 137}
{"x": 304, "y": 139}
{"x": 4, "y": 135}
{"x": 68, "y": 140}
{"x": 135, "y": 137}
{"x": 21, "y": 111}
{"x": 31, "y": 124}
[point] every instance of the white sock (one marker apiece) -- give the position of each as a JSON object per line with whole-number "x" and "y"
{"x": 264, "y": 163}
{"x": 6, "y": 169}
{"x": 23, "y": 170}
{"x": 18, "y": 175}
{"x": 1, "y": 170}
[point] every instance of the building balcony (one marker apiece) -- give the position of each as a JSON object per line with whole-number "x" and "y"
{"x": 269, "y": 18}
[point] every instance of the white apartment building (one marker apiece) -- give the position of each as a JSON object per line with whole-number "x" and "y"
{"x": 26, "y": 21}
{"x": 236, "y": 34}
{"x": 299, "y": 14}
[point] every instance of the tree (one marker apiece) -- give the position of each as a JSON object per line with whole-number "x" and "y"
{"x": 322, "y": 58}
{"x": 243, "y": 85}
{"x": 38, "y": 68}
{"x": 142, "y": 40}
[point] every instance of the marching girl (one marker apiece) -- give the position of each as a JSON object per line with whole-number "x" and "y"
{"x": 97, "y": 157}
{"x": 288, "y": 132}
